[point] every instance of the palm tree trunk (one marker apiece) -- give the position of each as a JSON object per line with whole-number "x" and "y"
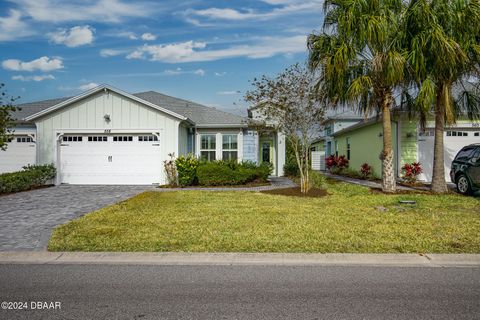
{"x": 438, "y": 179}
{"x": 388, "y": 172}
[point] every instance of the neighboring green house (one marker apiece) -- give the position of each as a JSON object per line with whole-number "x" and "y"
{"x": 362, "y": 143}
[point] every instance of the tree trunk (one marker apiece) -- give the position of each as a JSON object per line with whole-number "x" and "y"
{"x": 438, "y": 179}
{"x": 388, "y": 172}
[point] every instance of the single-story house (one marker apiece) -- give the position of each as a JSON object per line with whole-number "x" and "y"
{"x": 108, "y": 136}
{"x": 362, "y": 142}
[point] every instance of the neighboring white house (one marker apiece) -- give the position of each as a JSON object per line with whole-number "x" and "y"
{"x": 108, "y": 136}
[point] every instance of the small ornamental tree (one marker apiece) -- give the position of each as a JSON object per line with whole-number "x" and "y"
{"x": 288, "y": 104}
{"x": 6, "y": 119}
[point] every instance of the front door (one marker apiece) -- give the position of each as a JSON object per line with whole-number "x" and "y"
{"x": 266, "y": 151}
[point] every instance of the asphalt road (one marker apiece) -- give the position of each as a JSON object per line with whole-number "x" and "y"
{"x": 241, "y": 292}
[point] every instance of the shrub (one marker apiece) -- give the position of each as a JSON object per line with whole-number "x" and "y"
{"x": 219, "y": 174}
{"x": 264, "y": 170}
{"x": 226, "y": 173}
{"x": 171, "y": 170}
{"x": 410, "y": 172}
{"x": 336, "y": 163}
{"x": 366, "y": 171}
{"x": 30, "y": 177}
{"x": 317, "y": 180}
{"x": 187, "y": 170}
{"x": 290, "y": 169}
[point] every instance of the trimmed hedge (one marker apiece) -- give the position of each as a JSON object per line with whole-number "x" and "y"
{"x": 228, "y": 173}
{"x": 30, "y": 177}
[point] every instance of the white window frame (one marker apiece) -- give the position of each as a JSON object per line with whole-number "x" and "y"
{"x": 230, "y": 142}
{"x": 209, "y": 144}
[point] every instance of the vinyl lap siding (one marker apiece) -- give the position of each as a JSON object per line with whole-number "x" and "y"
{"x": 408, "y": 142}
{"x": 365, "y": 146}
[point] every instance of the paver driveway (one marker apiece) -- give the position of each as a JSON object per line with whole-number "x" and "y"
{"x": 28, "y": 218}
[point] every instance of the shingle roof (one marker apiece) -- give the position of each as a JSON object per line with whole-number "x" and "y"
{"x": 200, "y": 114}
{"x": 28, "y": 109}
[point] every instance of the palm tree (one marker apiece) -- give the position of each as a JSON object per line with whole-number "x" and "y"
{"x": 443, "y": 40}
{"x": 360, "y": 59}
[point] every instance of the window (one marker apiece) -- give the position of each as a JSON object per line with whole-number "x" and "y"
{"x": 230, "y": 147}
{"x": 328, "y": 129}
{"x": 207, "y": 147}
{"x": 464, "y": 153}
{"x": 477, "y": 134}
{"x": 348, "y": 148}
{"x": 427, "y": 133}
{"x": 23, "y": 139}
{"x": 336, "y": 148}
{"x": 457, "y": 134}
{"x": 72, "y": 139}
{"x": 97, "y": 139}
{"x": 148, "y": 138}
{"x": 122, "y": 138}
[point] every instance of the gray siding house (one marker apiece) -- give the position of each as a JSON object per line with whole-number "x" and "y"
{"x": 108, "y": 136}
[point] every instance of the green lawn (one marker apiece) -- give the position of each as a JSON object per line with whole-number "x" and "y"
{"x": 348, "y": 220}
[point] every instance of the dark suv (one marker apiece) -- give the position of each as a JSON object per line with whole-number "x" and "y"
{"x": 465, "y": 172}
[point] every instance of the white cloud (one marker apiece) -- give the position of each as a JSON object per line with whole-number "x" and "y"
{"x": 199, "y": 72}
{"x": 191, "y": 51}
{"x": 220, "y": 74}
{"x": 12, "y": 27}
{"x": 179, "y": 71}
{"x": 122, "y": 34}
{"x": 84, "y": 10}
{"x": 43, "y": 64}
{"x": 88, "y": 86}
{"x": 167, "y": 52}
{"x": 76, "y": 36}
{"x": 33, "y": 78}
{"x": 148, "y": 36}
{"x": 137, "y": 54}
{"x": 105, "y": 53}
{"x": 286, "y": 7}
{"x": 229, "y": 93}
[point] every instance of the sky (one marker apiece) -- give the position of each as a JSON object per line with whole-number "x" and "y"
{"x": 204, "y": 51}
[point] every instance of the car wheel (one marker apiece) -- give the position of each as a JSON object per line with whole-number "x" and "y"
{"x": 463, "y": 185}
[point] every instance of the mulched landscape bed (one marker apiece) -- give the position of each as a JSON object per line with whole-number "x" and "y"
{"x": 295, "y": 192}
{"x": 248, "y": 185}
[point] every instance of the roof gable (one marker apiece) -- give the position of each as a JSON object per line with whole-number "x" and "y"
{"x": 195, "y": 113}
{"x": 68, "y": 101}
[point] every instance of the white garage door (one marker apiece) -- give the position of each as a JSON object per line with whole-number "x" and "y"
{"x": 21, "y": 151}
{"x": 454, "y": 140}
{"x": 110, "y": 159}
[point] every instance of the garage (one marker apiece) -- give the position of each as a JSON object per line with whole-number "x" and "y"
{"x": 110, "y": 159}
{"x": 21, "y": 151}
{"x": 454, "y": 140}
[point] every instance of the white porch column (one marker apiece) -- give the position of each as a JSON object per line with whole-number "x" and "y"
{"x": 281, "y": 153}
{"x": 218, "y": 149}
{"x": 257, "y": 147}
{"x": 240, "y": 146}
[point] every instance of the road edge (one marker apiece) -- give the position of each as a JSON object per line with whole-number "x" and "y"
{"x": 267, "y": 259}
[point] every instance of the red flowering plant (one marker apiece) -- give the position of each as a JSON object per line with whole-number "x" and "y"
{"x": 336, "y": 163}
{"x": 366, "y": 171}
{"x": 410, "y": 172}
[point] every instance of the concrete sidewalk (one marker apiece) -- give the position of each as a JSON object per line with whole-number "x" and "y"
{"x": 288, "y": 259}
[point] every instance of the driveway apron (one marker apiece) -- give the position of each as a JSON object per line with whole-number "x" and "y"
{"x": 28, "y": 218}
